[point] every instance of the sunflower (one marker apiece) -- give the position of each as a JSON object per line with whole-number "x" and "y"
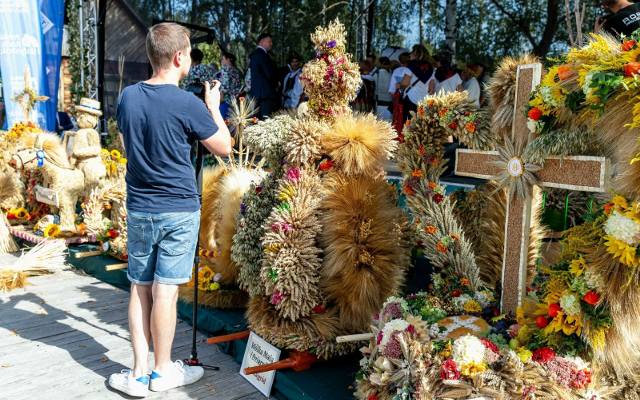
{"x": 21, "y": 213}
{"x": 625, "y": 253}
{"x": 577, "y": 266}
{"x": 564, "y": 323}
{"x": 115, "y": 154}
{"x": 632, "y": 55}
{"x": 52, "y": 231}
{"x": 123, "y": 161}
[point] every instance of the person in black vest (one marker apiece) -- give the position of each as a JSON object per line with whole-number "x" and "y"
{"x": 291, "y": 85}
{"x": 624, "y": 17}
{"x": 264, "y": 77}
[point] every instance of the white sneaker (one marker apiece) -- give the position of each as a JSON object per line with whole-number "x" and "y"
{"x": 125, "y": 382}
{"x": 179, "y": 375}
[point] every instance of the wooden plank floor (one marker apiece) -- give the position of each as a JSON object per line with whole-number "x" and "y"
{"x": 61, "y": 337}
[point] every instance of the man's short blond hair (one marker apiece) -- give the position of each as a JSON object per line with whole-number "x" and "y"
{"x": 164, "y": 40}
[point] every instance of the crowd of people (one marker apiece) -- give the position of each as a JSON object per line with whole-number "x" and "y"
{"x": 392, "y": 88}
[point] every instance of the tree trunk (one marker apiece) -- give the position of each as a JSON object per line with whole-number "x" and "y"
{"x": 194, "y": 11}
{"x": 371, "y": 24}
{"x": 420, "y": 21}
{"x": 550, "y": 29}
{"x": 450, "y": 29}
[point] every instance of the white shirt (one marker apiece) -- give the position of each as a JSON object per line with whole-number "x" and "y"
{"x": 473, "y": 88}
{"x": 382, "y": 77}
{"x": 292, "y": 96}
{"x": 449, "y": 85}
{"x": 396, "y": 77}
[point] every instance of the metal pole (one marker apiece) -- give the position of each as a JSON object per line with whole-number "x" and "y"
{"x": 81, "y": 22}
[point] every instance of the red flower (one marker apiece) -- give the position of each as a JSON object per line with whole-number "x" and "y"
{"x": 449, "y": 371}
{"x": 535, "y": 114}
{"x": 411, "y": 329}
{"x": 11, "y": 216}
{"x": 628, "y": 45}
{"x": 542, "y": 321}
{"x": 438, "y": 198}
{"x": 632, "y": 68}
{"x": 113, "y": 233}
{"x": 400, "y": 138}
{"x": 544, "y": 355}
{"x": 553, "y": 310}
{"x": 422, "y": 151}
{"x": 581, "y": 379}
{"x": 326, "y": 165}
{"x": 456, "y": 293}
{"x": 591, "y": 298}
{"x": 319, "y": 309}
{"x": 258, "y": 189}
{"x": 372, "y": 396}
{"x": 490, "y": 345}
{"x": 453, "y": 125}
{"x": 608, "y": 208}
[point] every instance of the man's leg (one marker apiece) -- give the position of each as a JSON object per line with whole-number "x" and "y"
{"x": 163, "y": 323}
{"x": 140, "y": 304}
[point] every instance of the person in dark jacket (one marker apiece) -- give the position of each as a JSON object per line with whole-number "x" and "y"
{"x": 264, "y": 77}
{"x": 623, "y": 17}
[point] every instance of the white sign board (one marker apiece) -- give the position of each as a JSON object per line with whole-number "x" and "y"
{"x": 47, "y": 196}
{"x": 259, "y": 352}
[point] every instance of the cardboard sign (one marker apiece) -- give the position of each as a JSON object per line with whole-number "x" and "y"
{"x": 259, "y": 352}
{"x": 47, "y": 196}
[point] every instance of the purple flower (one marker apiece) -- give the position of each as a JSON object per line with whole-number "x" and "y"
{"x": 293, "y": 174}
{"x": 277, "y": 297}
{"x": 331, "y": 44}
{"x": 243, "y": 208}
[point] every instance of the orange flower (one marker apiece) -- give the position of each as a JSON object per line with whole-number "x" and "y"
{"x": 628, "y": 45}
{"x": 430, "y": 229}
{"x": 443, "y": 112}
{"x": 565, "y": 72}
{"x": 465, "y": 282}
{"x": 470, "y": 127}
{"x": 454, "y": 236}
{"x": 408, "y": 190}
{"x": 407, "y": 122}
{"x": 430, "y": 103}
{"x": 632, "y": 68}
{"x": 432, "y": 185}
{"x": 441, "y": 247}
{"x": 417, "y": 173}
{"x": 421, "y": 150}
{"x": 420, "y": 112}
{"x": 608, "y": 208}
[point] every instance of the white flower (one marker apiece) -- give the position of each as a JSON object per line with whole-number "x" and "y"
{"x": 483, "y": 297}
{"x": 586, "y": 88}
{"x": 467, "y": 349}
{"x": 438, "y": 282}
{"x": 434, "y": 331}
{"x": 393, "y": 299}
{"x": 460, "y": 301}
{"x": 395, "y": 325}
{"x": 364, "y": 361}
{"x": 623, "y": 228}
{"x": 532, "y": 125}
{"x": 579, "y": 362}
{"x": 570, "y": 304}
{"x": 547, "y": 96}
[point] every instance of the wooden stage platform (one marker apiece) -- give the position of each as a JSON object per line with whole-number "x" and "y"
{"x": 61, "y": 337}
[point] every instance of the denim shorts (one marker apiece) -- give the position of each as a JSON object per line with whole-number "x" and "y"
{"x": 161, "y": 246}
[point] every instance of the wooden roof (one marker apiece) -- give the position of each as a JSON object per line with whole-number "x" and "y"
{"x": 125, "y": 33}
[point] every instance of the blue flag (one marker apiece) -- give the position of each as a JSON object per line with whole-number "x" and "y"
{"x": 52, "y": 26}
{"x": 20, "y": 52}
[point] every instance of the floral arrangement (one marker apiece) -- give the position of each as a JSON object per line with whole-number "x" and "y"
{"x": 332, "y": 79}
{"x": 114, "y": 162}
{"x": 406, "y": 360}
{"x": 622, "y": 229}
{"x": 19, "y": 215}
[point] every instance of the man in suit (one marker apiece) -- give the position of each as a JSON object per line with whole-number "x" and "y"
{"x": 264, "y": 77}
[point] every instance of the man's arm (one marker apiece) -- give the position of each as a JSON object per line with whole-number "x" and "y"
{"x": 219, "y": 144}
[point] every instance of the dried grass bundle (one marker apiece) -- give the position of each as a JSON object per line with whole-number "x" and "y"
{"x": 502, "y": 93}
{"x": 7, "y": 244}
{"x": 360, "y": 144}
{"x": 10, "y": 190}
{"x": 303, "y": 143}
{"x": 366, "y": 252}
{"x": 43, "y": 258}
{"x": 290, "y": 272}
{"x": 97, "y": 201}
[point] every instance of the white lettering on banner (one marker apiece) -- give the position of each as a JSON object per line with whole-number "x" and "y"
{"x": 259, "y": 352}
{"x": 14, "y": 6}
{"x": 17, "y": 44}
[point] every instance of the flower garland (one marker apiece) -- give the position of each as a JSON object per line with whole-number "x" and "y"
{"x": 113, "y": 161}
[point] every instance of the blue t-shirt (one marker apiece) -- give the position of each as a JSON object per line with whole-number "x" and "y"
{"x": 159, "y": 124}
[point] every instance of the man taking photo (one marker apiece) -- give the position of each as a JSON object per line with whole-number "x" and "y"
{"x": 159, "y": 123}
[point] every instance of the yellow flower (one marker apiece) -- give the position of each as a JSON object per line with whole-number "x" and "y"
{"x": 105, "y": 153}
{"x": 625, "y": 253}
{"x": 577, "y": 266}
{"x": 446, "y": 351}
{"x": 113, "y": 169}
{"x": 115, "y": 154}
{"x": 214, "y": 286}
{"x": 273, "y": 247}
{"x": 473, "y": 368}
{"x": 620, "y": 202}
{"x": 564, "y": 323}
{"x": 524, "y": 354}
{"x": 472, "y": 306}
{"x": 51, "y": 231}
{"x": 123, "y": 161}
{"x": 597, "y": 339}
{"x": 555, "y": 290}
{"x": 287, "y": 193}
{"x": 21, "y": 213}
{"x": 205, "y": 274}
{"x": 632, "y": 55}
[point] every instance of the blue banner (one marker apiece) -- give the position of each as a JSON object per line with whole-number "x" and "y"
{"x": 52, "y": 26}
{"x": 21, "y": 52}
